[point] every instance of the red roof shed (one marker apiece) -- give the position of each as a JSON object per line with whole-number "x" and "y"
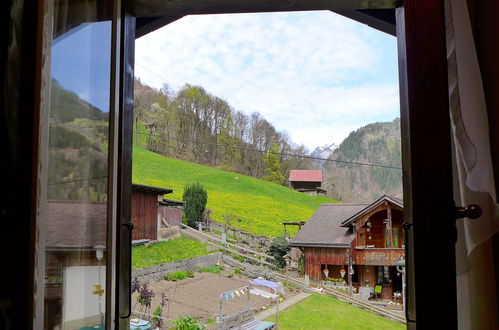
{"x": 305, "y": 176}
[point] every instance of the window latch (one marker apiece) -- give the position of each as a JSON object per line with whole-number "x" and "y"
{"x": 472, "y": 211}
{"x": 129, "y": 225}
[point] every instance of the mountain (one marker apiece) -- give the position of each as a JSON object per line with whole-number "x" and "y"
{"x": 377, "y": 143}
{"x": 249, "y": 204}
{"x": 77, "y": 167}
{"x": 324, "y": 152}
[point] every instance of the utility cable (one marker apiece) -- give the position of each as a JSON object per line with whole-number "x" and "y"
{"x": 275, "y": 153}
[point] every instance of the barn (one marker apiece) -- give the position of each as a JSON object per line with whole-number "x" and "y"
{"x": 307, "y": 181}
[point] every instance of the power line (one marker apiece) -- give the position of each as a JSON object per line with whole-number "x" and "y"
{"x": 262, "y": 151}
{"x": 270, "y": 152}
{"x": 165, "y": 81}
{"x": 77, "y": 180}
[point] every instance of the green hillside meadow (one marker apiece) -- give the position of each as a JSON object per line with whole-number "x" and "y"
{"x": 260, "y": 205}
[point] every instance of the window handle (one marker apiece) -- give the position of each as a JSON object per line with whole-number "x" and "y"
{"x": 472, "y": 211}
{"x": 407, "y": 226}
{"x": 130, "y": 227}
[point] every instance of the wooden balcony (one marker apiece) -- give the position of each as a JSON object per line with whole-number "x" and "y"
{"x": 377, "y": 256}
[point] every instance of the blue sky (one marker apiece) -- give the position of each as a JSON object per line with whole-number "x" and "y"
{"x": 316, "y": 75}
{"x": 81, "y": 62}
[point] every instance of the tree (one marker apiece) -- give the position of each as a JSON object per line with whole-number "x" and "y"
{"x": 273, "y": 165}
{"x": 195, "y": 198}
{"x": 278, "y": 249}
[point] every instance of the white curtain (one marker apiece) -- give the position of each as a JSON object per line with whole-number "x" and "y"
{"x": 473, "y": 175}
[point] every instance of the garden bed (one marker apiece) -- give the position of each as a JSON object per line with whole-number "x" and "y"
{"x": 199, "y": 296}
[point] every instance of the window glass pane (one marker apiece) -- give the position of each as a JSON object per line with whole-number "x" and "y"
{"x": 76, "y": 226}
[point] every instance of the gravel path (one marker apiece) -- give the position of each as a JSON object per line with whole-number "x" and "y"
{"x": 282, "y": 306}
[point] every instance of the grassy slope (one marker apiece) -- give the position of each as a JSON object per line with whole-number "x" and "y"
{"x": 169, "y": 251}
{"x": 260, "y": 205}
{"x": 322, "y": 312}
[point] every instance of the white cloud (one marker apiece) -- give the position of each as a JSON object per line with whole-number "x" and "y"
{"x": 316, "y": 75}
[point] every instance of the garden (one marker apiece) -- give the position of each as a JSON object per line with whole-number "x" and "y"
{"x": 188, "y": 296}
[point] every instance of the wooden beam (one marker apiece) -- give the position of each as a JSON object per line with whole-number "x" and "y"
{"x": 179, "y": 8}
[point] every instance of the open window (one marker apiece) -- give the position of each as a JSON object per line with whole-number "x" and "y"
{"x": 51, "y": 41}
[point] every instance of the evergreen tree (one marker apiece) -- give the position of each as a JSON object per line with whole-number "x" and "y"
{"x": 273, "y": 165}
{"x": 195, "y": 198}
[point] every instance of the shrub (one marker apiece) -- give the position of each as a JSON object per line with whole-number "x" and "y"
{"x": 145, "y": 296}
{"x": 237, "y": 271}
{"x": 189, "y": 273}
{"x": 278, "y": 249}
{"x": 213, "y": 270}
{"x": 195, "y": 198}
{"x": 157, "y": 321}
{"x": 175, "y": 276}
{"x": 188, "y": 323}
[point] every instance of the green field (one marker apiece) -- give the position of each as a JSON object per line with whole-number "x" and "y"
{"x": 322, "y": 312}
{"x": 169, "y": 251}
{"x": 259, "y": 205}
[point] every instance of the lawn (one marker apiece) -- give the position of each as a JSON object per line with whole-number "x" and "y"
{"x": 255, "y": 205}
{"x": 168, "y": 251}
{"x": 322, "y": 312}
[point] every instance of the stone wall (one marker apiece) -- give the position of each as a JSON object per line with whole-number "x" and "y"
{"x": 155, "y": 273}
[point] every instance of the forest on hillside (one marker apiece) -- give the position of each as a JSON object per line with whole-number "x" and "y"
{"x": 196, "y": 126}
{"x": 193, "y": 125}
{"x": 377, "y": 143}
{"x": 77, "y": 161}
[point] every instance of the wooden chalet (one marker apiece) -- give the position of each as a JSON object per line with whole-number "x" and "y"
{"x": 359, "y": 243}
{"x": 307, "y": 181}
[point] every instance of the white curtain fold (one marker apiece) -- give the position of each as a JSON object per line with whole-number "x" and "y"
{"x": 473, "y": 174}
{"x": 470, "y": 126}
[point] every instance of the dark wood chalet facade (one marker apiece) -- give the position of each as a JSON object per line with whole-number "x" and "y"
{"x": 361, "y": 241}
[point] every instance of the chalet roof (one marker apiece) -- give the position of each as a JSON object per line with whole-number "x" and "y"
{"x": 323, "y": 228}
{"x": 305, "y": 175}
{"x": 150, "y": 189}
{"x": 373, "y": 205}
{"x": 76, "y": 224}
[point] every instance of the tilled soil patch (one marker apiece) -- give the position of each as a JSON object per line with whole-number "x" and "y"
{"x": 199, "y": 296}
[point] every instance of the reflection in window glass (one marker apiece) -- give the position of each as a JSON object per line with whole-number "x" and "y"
{"x": 77, "y": 171}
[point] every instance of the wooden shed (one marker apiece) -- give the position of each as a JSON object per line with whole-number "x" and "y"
{"x": 307, "y": 181}
{"x": 145, "y": 201}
